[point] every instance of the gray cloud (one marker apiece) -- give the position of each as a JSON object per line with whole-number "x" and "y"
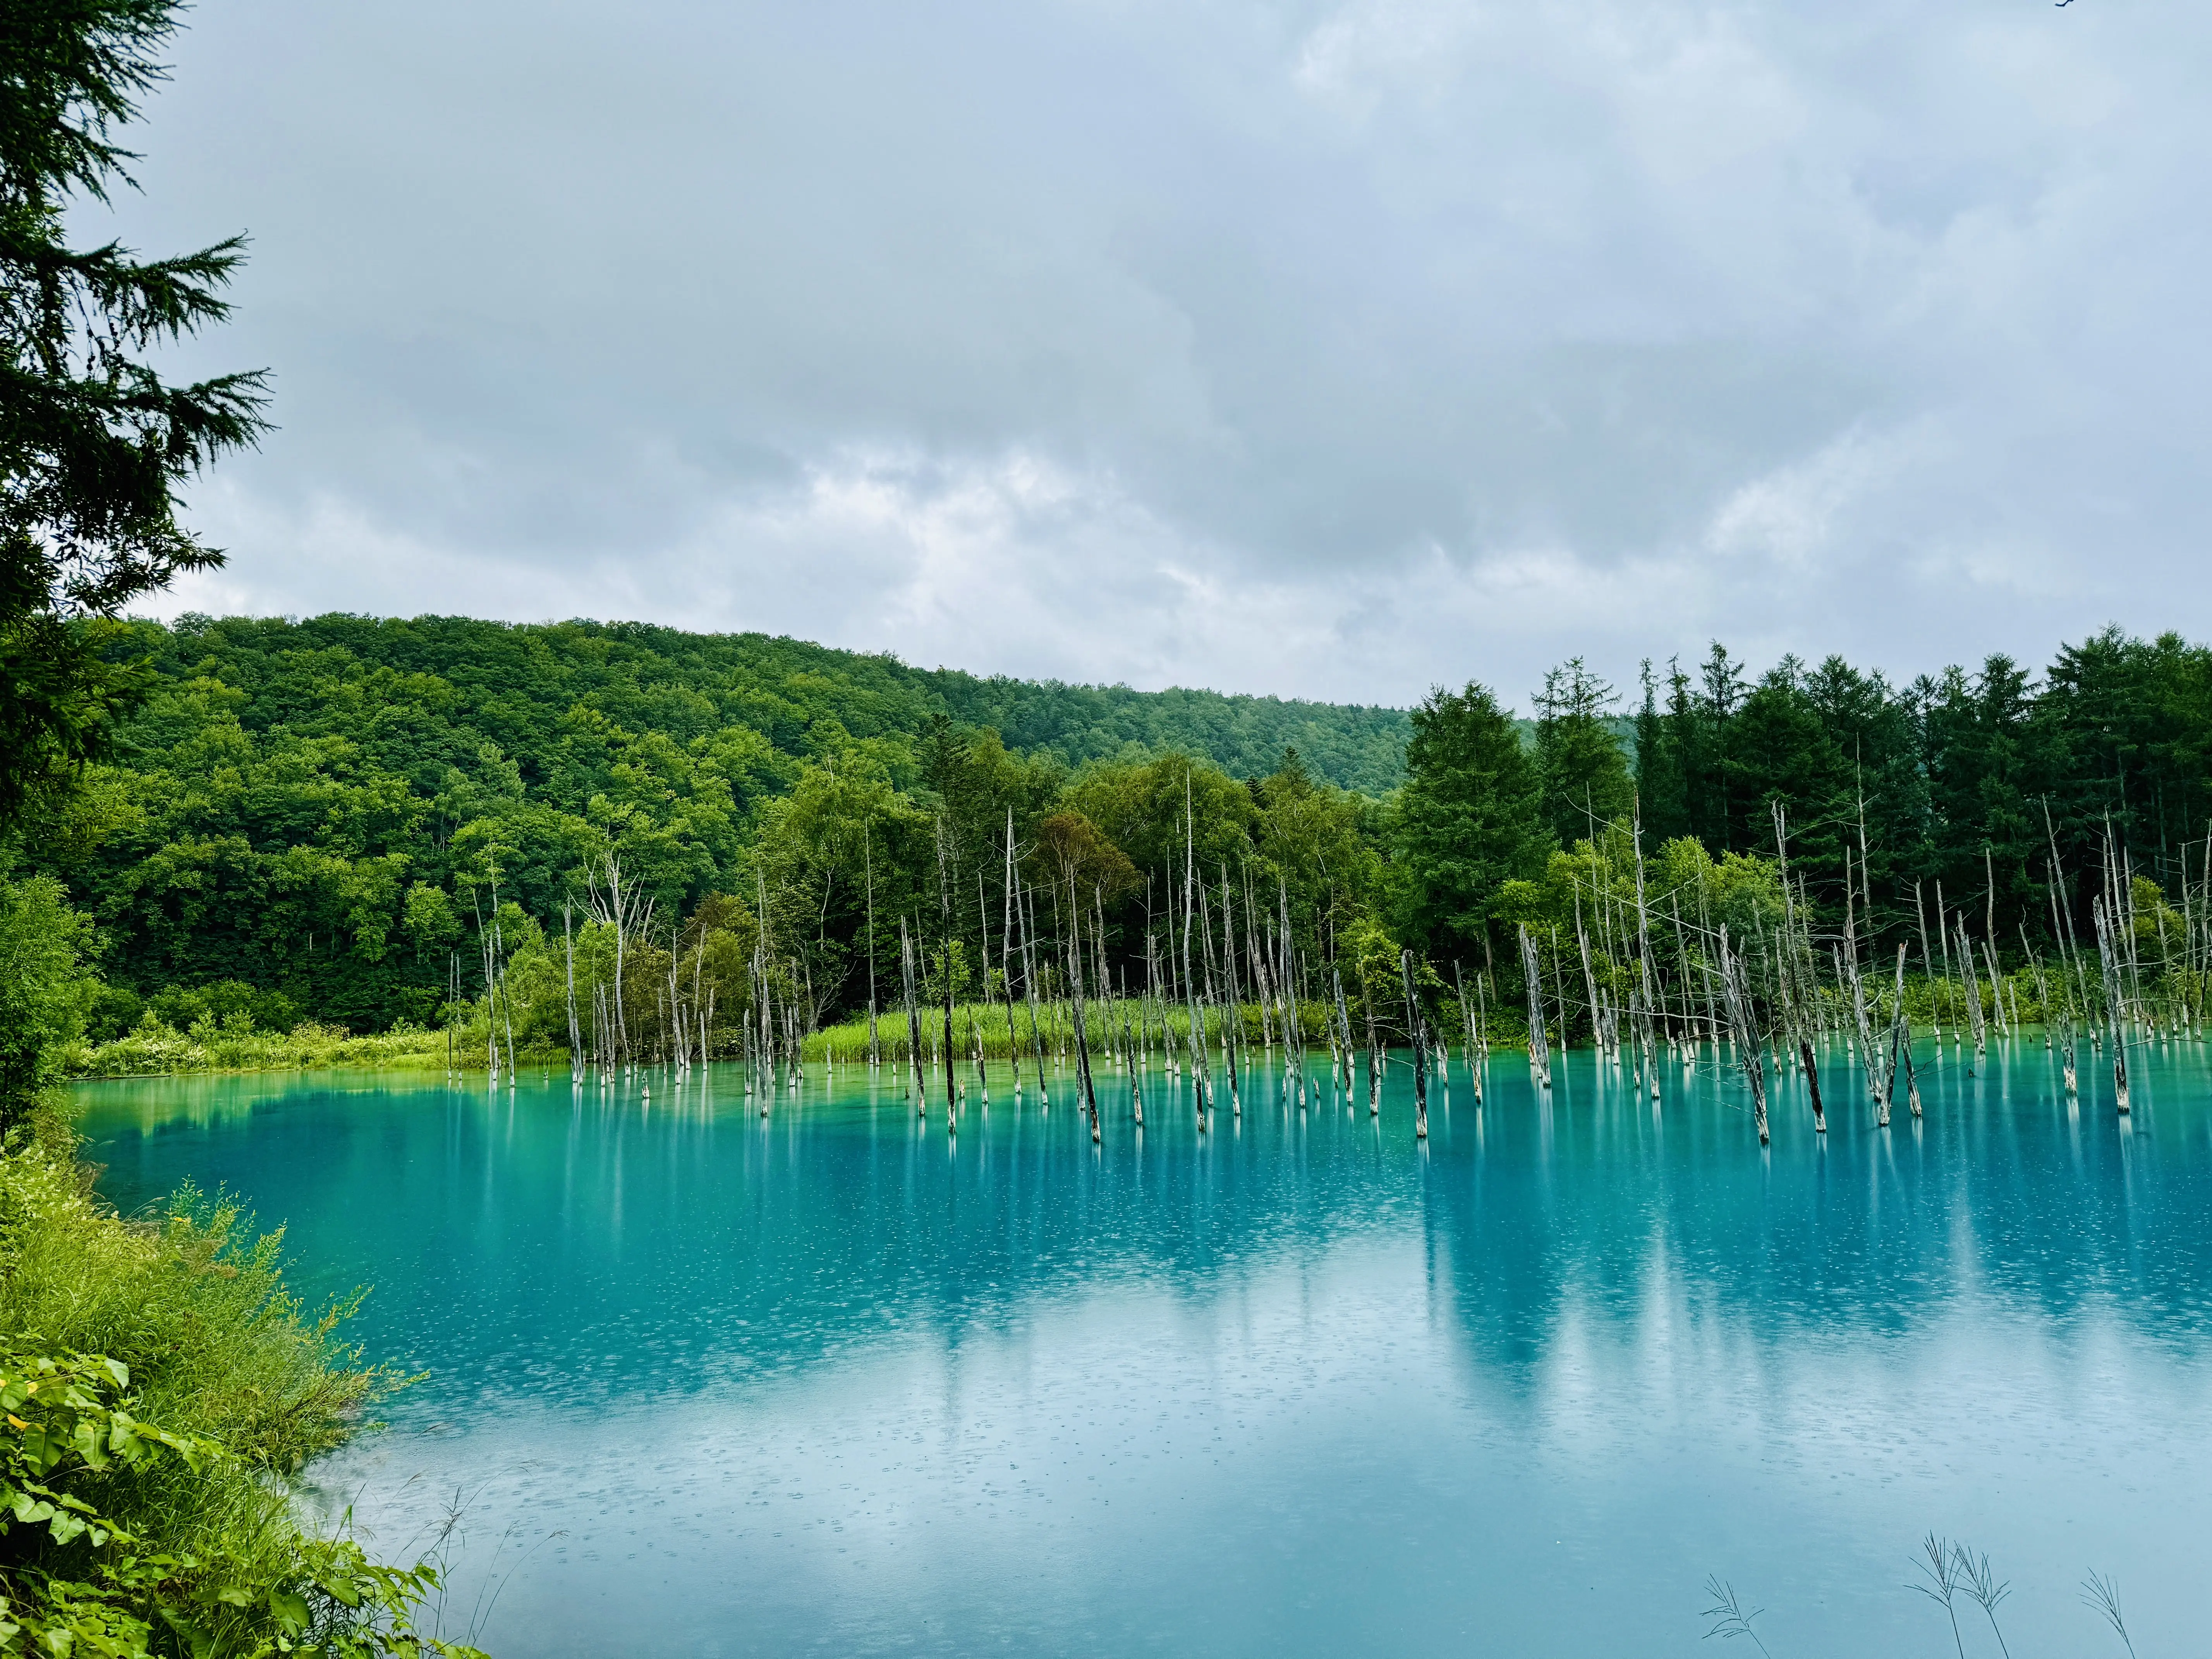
{"x": 1330, "y": 350}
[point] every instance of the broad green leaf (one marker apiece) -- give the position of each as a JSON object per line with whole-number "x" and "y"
{"x": 290, "y": 1610}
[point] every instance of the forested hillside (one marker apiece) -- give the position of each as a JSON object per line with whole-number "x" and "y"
{"x": 352, "y": 820}
{"x": 513, "y": 684}
{"x": 316, "y": 808}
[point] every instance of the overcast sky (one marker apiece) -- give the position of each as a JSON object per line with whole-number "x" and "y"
{"x": 1330, "y": 351}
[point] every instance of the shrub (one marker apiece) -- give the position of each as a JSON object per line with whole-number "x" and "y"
{"x": 159, "y": 1385}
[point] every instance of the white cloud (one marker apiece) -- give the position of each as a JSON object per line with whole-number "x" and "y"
{"x": 1788, "y": 519}
{"x": 1324, "y": 348}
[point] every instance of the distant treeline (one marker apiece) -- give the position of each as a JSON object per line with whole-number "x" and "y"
{"x": 325, "y": 820}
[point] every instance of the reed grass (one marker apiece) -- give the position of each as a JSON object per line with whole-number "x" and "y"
{"x": 1950, "y": 1575}
{"x": 1108, "y": 1026}
{"x": 154, "y": 1049}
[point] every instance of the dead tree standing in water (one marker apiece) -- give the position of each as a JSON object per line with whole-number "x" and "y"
{"x": 2108, "y": 960}
{"x": 1812, "y": 1083}
{"x": 913, "y": 1022}
{"x": 1735, "y": 987}
{"x": 1540, "y": 1047}
{"x": 1420, "y": 1048}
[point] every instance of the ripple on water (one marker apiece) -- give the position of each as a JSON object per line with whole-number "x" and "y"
{"x": 705, "y": 1382}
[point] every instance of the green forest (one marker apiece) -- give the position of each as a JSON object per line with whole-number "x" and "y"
{"x": 362, "y": 824}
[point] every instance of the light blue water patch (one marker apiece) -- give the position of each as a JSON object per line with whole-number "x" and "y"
{"x": 704, "y": 1382}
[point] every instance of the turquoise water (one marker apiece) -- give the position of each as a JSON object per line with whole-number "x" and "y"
{"x": 702, "y": 1381}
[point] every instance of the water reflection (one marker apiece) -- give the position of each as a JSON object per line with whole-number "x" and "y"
{"x": 1572, "y": 1352}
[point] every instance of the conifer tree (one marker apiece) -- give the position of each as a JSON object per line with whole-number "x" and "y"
{"x": 93, "y": 442}
{"x": 1580, "y": 762}
{"x": 1468, "y": 820}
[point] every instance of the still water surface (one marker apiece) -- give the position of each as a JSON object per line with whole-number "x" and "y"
{"x": 704, "y": 1383}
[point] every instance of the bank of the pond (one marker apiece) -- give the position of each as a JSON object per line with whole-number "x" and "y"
{"x": 1110, "y": 1026}
{"x": 154, "y": 1049}
{"x": 1467, "y": 1014}
{"x": 1113, "y": 1025}
{"x": 160, "y": 1386}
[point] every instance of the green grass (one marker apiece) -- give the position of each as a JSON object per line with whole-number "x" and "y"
{"x": 153, "y": 1049}
{"x": 849, "y": 1039}
{"x": 193, "y": 1553}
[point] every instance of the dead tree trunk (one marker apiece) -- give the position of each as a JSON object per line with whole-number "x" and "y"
{"x": 1540, "y": 1047}
{"x": 913, "y": 1022}
{"x": 1812, "y": 1083}
{"x": 1415, "y": 1030}
{"x": 1743, "y": 1028}
{"x": 2108, "y": 960}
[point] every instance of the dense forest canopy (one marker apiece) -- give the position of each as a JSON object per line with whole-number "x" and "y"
{"x": 1981, "y": 783}
{"x": 319, "y": 810}
{"x": 329, "y": 817}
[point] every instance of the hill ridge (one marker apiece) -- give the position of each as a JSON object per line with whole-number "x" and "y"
{"x": 1355, "y": 745}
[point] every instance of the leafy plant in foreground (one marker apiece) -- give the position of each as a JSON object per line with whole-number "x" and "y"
{"x": 74, "y": 1580}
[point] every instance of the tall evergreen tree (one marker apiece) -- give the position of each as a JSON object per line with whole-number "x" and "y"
{"x": 1469, "y": 819}
{"x": 2126, "y": 727}
{"x": 1659, "y": 781}
{"x": 1987, "y": 774}
{"x": 1873, "y": 729}
{"x": 1706, "y": 712}
{"x": 1781, "y": 753}
{"x": 93, "y": 442}
{"x": 1580, "y": 764}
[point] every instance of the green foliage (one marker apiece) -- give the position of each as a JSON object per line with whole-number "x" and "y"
{"x": 151, "y": 1049}
{"x": 1581, "y": 766}
{"x": 157, "y": 1384}
{"x": 229, "y": 1004}
{"x": 1358, "y": 747}
{"x": 45, "y": 988}
{"x": 1586, "y": 891}
{"x": 1968, "y": 783}
{"x": 331, "y": 820}
{"x": 950, "y": 962}
{"x": 1323, "y": 846}
{"x": 93, "y": 442}
{"x": 1372, "y": 964}
{"x": 1081, "y": 863}
{"x": 1166, "y": 812}
{"x": 847, "y": 1041}
{"x": 321, "y": 810}
{"x": 1467, "y": 821}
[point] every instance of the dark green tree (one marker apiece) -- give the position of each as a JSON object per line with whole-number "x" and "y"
{"x": 1781, "y": 754}
{"x": 2125, "y": 726}
{"x": 1580, "y": 763}
{"x": 1879, "y": 780}
{"x": 1987, "y": 775}
{"x": 1467, "y": 821}
{"x": 1660, "y": 792}
{"x": 1682, "y": 752}
{"x": 1321, "y": 844}
{"x": 1706, "y": 716}
{"x": 93, "y": 442}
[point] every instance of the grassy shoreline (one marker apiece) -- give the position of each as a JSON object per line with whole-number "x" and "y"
{"x": 162, "y": 1388}
{"x": 152, "y": 1049}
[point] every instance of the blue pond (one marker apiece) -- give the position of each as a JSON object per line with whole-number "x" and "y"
{"x": 702, "y": 1381}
